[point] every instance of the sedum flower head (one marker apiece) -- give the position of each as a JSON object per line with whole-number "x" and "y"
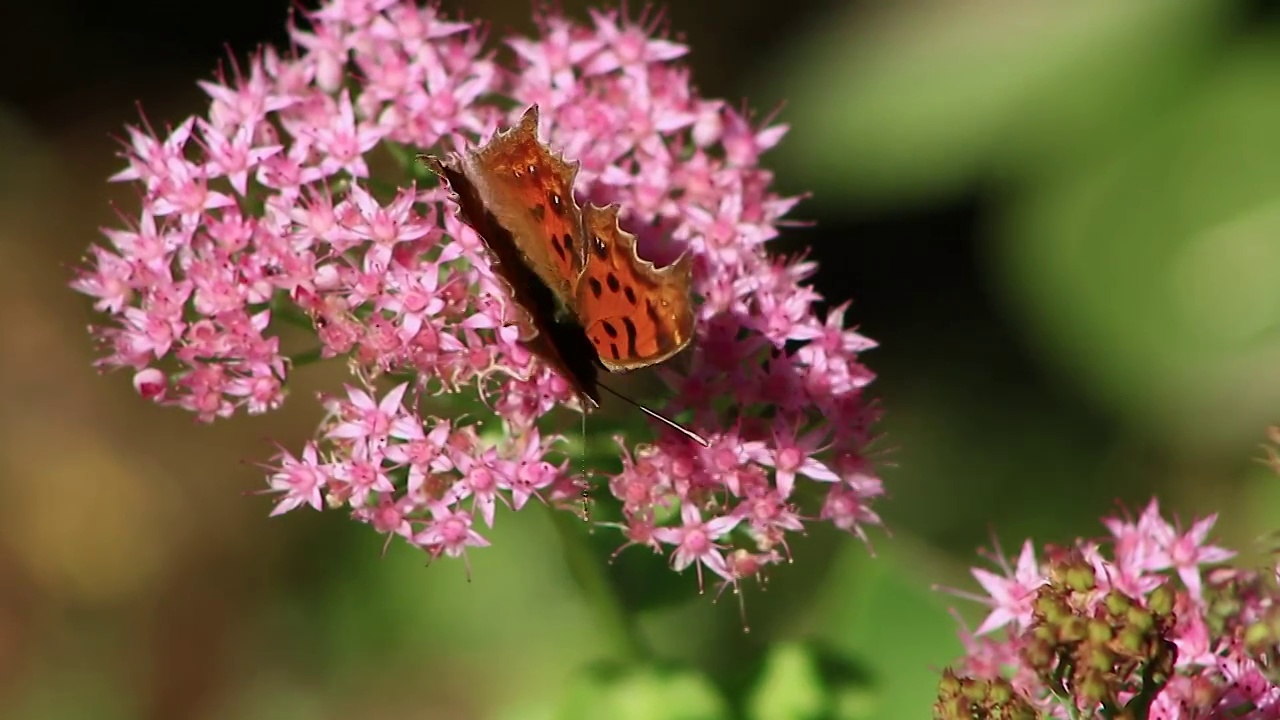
{"x": 1132, "y": 627}
{"x": 292, "y": 202}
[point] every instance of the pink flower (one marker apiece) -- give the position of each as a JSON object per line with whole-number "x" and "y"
{"x": 276, "y": 207}
{"x": 150, "y": 383}
{"x": 791, "y": 456}
{"x": 1010, "y": 593}
{"x": 448, "y": 532}
{"x": 151, "y": 158}
{"x": 695, "y": 542}
{"x": 627, "y": 46}
{"x": 244, "y": 106}
{"x": 363, "y": 420}
{"x": 300, "y": 479}
{"x": 1185, "y": 553}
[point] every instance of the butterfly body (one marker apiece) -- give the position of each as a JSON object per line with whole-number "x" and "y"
{"x": 588, "y": 301}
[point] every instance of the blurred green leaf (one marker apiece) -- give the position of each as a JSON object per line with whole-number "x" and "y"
{"x": 849, "y": 683}
{"x": 642, "y": 693}
{"x": 276, "y": 699}
{"x": 73, "y": 694}
{"x": 790, "y": 686}
{"x": 640, "y": 580}
{"x": 882, "y": 612}
{"x": 916, "y": 99}
{"x": 617, "y": 588}
{"x": 1150, "y": 278}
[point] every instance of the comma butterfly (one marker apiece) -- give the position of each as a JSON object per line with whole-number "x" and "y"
{"x": 588, "y": 300}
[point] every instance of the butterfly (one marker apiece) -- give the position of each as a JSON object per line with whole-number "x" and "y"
{"x": 588, "y": 301}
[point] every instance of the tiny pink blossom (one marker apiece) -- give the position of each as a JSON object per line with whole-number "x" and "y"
{"x": 342, "y": 141}
{"x": 448, "y": 532}
{"x": 300, "y": 479}
{"x": 366, "y": 419}
{"x": 183, "y": 190}
{"x": 245, "y": 101}
{"x": 1012, "y": 592}
{"x": 627, "y": 45}
{"x": 149, "y": 157}
{"x": 695, "y": 542}
{"x": 1186, "y": 552}
{"x": 354, "y": 479}
{"x": 150, "y": 383}
{"x": 232, "y": 156}
{"x": 479, "y": 482}
{"x": 390, "y": 516}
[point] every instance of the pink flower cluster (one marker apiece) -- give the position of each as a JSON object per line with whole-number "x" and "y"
{"x": 1216, "y": 675}
{"x": 292, "y": 201}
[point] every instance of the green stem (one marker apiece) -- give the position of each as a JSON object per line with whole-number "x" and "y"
{"x": 285, "y": 311}
{"x": 591, "y": 573}
{"x": 306, "y": 357}
{"x": 1141, "y": 703}
{"x": 408, "y": 161}
{"x": 400, "y": 153}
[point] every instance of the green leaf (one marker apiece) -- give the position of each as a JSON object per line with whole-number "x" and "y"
{"x": 64, "y": 693}
{"x": 811, "y": 681}
{"x": 882, "y": 613}
{"x": 909, "y": 100}
{"x": 790, "y": 686}
{"x": 407, "y": 160}
{"x": 642, "y": 693}
{"x": 1150, "y": 278}
{"x": 617, "y": 588}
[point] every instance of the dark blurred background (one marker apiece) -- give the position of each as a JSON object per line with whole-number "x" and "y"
{"x": 1061, "y": 220}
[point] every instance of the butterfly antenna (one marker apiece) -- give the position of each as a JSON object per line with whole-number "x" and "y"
{"x": 582, "y": 465}
{"x": 659, "y": 417}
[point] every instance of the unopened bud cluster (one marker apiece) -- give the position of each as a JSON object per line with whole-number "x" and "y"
{"x": 1110, "y": 653}
{"x": 1148, "y": 623}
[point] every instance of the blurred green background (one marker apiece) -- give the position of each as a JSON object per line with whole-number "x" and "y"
{"x": 1061, "y": 220}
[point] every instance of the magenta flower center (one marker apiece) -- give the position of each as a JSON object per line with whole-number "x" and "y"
{"x": 481, "y": 480}
{"x": 454, "y": 531}
{"x": 696, "y": 541}
{"x": 790, "y": 459}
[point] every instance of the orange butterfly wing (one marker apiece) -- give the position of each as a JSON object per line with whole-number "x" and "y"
{"x": 529, "y": 191}
{"x": 531, "y": 225}
{"x": 634, "y": 313}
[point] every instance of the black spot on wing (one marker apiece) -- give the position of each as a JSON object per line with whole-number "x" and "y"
{"x": 596, "y": 289}
{"x": 663, "y": 337}
{"x": 612, "y": 281}
{"x": 613, "y": 350}
{"x": 652, "y": 312}
{"x": 610, "y": 330}
{"x": 630, "y": 329}
{"x": 559, "y": 248}
{"x": 631, "y": 294}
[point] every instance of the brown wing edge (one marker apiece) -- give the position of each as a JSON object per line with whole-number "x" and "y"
{"x": 510, "y": 149}
{"x": 676, "y": 279}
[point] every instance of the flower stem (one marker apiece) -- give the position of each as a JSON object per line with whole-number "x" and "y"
{"x": 307, "y": 357}
{"x": 408, "y": 161}
{"x": 285, "y": 311}
{"x": 591, "y": 573}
